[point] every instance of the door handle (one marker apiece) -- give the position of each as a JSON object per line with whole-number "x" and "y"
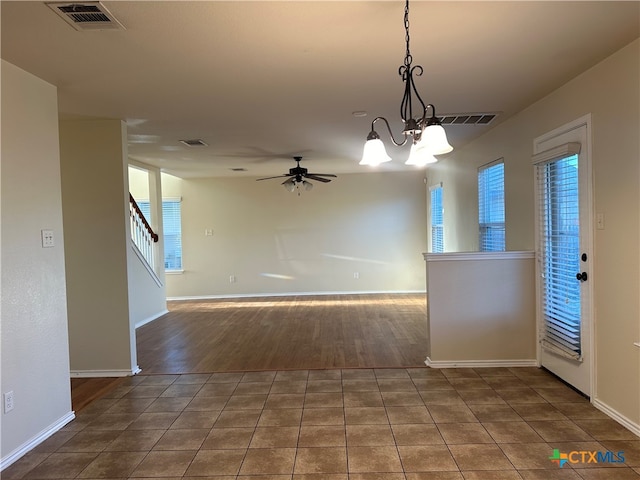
{"x": 582, "y": 276}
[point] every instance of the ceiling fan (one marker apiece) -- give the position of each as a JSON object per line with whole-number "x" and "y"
{"x": 298, "y": 176}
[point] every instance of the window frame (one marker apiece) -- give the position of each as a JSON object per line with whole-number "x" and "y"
{"x": 436, "y": 228}
{"x": 491, "y": 233}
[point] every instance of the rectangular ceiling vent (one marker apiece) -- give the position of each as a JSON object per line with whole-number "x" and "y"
{"x": 86, "y": 15}
{"x": 468, "y": 118}
{"x": 196, "y": 142}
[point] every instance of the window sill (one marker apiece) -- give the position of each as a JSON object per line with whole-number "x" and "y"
{"x": 173, "y": 272}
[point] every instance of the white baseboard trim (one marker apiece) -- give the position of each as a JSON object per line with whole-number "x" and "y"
{"x": 291, "y": 294}
{"x": 151, "y": 318}
{"x": 104, "y": 373}
{"x": 479, "y": 363}
{"x": 35, "y": 441}
{"x": 617, "y": 416}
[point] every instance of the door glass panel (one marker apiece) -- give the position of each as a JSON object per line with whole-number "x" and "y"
{"x": 560, "y": 255}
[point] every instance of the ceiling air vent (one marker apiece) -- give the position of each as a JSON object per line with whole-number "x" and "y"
{"x": 468, "y": 118}
{"x": 195, "y": 142}
{"x": 86, "y": 15}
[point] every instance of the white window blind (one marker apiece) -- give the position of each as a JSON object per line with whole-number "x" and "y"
{"x": 145, "y": 208}
{"x": 172, "y": 231}
{"x": 437, "y": 220}
{"x": 559, "y": 243}
{"x": 491, "y": 207}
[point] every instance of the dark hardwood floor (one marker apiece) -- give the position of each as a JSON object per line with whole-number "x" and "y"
{"x": 277, "y": 333}
{"x": 86, "y": 390}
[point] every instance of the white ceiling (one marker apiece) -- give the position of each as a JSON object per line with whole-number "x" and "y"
{"x": 263, "y": 81}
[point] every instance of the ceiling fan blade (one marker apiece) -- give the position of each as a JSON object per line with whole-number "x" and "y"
{"x": 324, "y": 174}
{"x": 270, "y": 178}
{"x": 314, "y": 176}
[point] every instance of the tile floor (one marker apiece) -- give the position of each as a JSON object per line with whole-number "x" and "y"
{"x": 364, "y": 424}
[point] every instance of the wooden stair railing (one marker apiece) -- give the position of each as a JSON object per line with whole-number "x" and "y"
{"x": 142, "y": 234}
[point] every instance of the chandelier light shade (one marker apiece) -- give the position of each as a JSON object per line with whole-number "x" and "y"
{"x": 434, "y": 138}
{"x": 374, "y": 152}
{"x": 420, "y": 156}
{"x": 427, "y": 135}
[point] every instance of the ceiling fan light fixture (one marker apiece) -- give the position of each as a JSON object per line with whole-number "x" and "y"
{"x": 289, "y": 185}
{"x": 296, "y": 178}
{"x": 427, "y": 132}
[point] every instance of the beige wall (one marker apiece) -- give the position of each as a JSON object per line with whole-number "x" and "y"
{"x": 34, "y": 349}
{"x": 511, "y": 141}
{"x": 139, "y": 183}
{"x": 96, "y": 205}
{"x": 610, "y": 92}
{"x": 171, "y": 186}
{"x": 147, "y": 295}
{"x": 276, "y": 242}
{"x": 481, "y": 309}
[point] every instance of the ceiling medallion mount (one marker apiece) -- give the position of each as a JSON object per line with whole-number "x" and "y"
{"x": 428, "y": 138}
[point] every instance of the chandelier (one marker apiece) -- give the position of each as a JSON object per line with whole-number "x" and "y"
{"x": 427, "y": 136}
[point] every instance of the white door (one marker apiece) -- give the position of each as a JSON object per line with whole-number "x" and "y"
{"x": 563, "y": 250}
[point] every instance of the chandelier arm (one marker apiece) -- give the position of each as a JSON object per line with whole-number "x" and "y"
{"x": 433, "y": 119}
{"x": 406, "y": 108}
{"x": 393, "y": 140}
{"x": 415, "y": 90}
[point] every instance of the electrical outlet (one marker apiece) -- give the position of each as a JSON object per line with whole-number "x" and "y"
{"x": 47, "y": 239}
{"x": 232, "y": 279}
{"x": 356, "y": 275}
{"x": 208, "y": 232}
{"x": 8, "y": 401}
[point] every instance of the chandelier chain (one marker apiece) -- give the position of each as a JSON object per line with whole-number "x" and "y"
{"x": 407, "y": 58}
